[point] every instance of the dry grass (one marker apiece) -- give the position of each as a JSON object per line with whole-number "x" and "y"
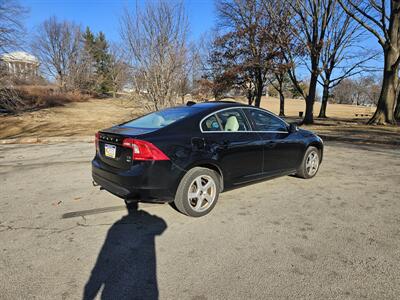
{"x": 74, "y": 119}
{"x": 34, "y": 97}
{"x": 38, "y": 97}
{"x": 85, "y": 118}
{"x": 293, "y": 107}
{"x": 342, "y": 122}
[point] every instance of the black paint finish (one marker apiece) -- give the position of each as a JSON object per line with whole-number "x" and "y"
{"x": 239, "y": 157}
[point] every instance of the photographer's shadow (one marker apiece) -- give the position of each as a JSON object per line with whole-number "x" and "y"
{"x": 126, "y": 266}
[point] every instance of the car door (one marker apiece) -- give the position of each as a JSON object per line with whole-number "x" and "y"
{"x": 238, "y": 149}
{"x": 281, "y": 148}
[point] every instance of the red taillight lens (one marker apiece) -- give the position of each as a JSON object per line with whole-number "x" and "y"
{"x": 143, "y": 150}
{"x": 96, "y": 140}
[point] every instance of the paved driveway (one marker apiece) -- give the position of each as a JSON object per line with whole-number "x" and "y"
{"x": 335, "y": 236}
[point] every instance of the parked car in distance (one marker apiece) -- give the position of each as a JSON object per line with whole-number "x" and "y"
{"x": 188, "y": 155}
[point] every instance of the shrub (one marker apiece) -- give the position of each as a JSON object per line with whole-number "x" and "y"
{"x": 38, "y": 97}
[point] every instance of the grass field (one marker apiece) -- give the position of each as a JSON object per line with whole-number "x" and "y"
{"x": 82, "y": 119}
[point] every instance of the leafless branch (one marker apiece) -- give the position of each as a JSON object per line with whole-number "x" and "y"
{"x": 156, "y": 39}
{"x": 12, "y": 29}
{"x": 57, "y": 45}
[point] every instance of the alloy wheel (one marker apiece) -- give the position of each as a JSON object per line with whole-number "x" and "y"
{"x": 312, "y": 163}
{"x": 202, "y": 192}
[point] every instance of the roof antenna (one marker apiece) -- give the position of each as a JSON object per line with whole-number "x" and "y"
{"x": 190, "y": 103}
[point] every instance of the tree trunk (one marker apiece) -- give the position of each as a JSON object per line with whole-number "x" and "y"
{"x": 385, "y": 110}
{"x": 397, "y": 111}
{"x": 259, "y": 88}
{"x": 324, "y": 103}
{"x": 309, "y": 116}
{"x": 281, "y": 104}
{"x": 250, "y": 96}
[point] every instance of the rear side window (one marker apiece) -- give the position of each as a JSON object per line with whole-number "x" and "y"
{"x": 267, "y": 122}
{"x": 160, "y": 118}
{"x": 233, "y": 120}
{"x": 211, "y": 124}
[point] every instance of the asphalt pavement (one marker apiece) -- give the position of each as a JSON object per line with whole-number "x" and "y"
{"x": 336, "y": 236}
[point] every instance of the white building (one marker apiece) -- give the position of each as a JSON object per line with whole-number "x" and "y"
{"x": 20, "y": 64}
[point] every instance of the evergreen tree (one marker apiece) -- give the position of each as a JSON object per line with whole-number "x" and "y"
{"x": 89, "y": 45}
{"x": 97, "y": 49}
{"x": 88, "y": 38}
{"x": 102, "y": 63}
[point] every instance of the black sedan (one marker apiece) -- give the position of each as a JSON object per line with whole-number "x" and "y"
{"x": 189, "y": 154}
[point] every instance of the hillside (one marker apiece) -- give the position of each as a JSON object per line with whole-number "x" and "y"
{"x": 83, "y": 119}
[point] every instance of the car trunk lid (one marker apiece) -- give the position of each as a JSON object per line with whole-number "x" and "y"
{"x": 110, "y": 145}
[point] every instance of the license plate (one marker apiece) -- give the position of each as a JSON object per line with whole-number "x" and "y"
{"x": 110, "y": 150}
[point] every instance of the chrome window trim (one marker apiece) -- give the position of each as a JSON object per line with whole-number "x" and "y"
{"x": 268, "y": 112}
{"x": 221, "y": 131}
{"x": 247, "y": 131}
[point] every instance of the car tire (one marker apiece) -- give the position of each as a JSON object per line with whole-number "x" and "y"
{"x": 310, "y": 165}
{"x": 198, "y": 192}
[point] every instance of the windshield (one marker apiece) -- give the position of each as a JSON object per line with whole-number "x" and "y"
{"x": 161, "y": 118}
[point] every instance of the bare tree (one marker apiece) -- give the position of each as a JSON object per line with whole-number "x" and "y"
{"x": 381, "y": 19}
{"x": 196, "y": 69}
{"x": 156, "y": 38}
{"x": 58, "y": 47}
{"x": 280, "y": 83}
{"x": 12, "y": 28}
{"x": 119, "y": 68}
{"x": 191, "y": 71}
{"x": 341, "y": 56}
{"x": 248, "y": 46}
{"x": 360, "y": 91}
{"x": 397, "y": 110}
{"x": 11, "y": 35}
{"x": 231, "y": 69}
{"x": 312, "y": 19}
{"x": 10, "y": 101}
{"x": 285, "y": 66}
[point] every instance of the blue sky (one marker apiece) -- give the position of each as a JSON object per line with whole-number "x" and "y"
{"x": 104, "y": 14}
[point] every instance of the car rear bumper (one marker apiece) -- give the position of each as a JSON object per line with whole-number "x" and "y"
{"x": 144, "y": 181}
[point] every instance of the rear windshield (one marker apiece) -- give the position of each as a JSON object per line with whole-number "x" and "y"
{"x": 160, "y": 118}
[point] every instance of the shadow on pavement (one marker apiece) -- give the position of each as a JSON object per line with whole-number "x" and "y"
{"x": 126, "y": 265}
{"x": 94, "y": 211}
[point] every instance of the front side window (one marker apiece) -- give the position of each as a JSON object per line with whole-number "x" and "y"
{"x": 233, "y": 120}
{"x": 267, "y": 122}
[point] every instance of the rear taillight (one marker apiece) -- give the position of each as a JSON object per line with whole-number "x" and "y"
{"x": 96, "y": 141}
{"x": 143, "y": 150}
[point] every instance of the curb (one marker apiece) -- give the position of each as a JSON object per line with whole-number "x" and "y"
{"x": 357, "y": 140}
{"x": 46, "y": 140}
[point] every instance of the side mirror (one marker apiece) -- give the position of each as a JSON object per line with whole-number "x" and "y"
{"x": 293, "y": 128}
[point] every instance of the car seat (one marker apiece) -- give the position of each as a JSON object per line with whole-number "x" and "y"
{"x": 232, "y": 124}
{"x": 209, "y": 123}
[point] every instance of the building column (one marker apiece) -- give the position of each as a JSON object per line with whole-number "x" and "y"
{"x": 18, "y": 69}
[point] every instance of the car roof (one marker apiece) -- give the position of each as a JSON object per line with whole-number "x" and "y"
{"x": 217, "y": 104}
{"x": 212, "y": 106}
